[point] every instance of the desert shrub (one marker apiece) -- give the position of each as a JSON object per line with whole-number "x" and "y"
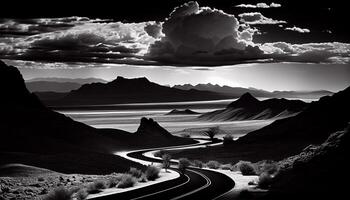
{"x": 96, "y": 187}
{"x": 211, "y": 132}
{"x": 228, "y": 139}
{"x": 166, "y": 161}
{"x": 269, "y": 167}
{"x": 81, "y": 194}
{"x": 143, "y": 178}
{"x": 127, "y": 181}
{"x": 226, "y": 167}
{"x": 41, "y": 179}
{"x": 213, "y": 164}
{"x": 60, "y": 193}
{"x": 265, "y": 180}
{"x": 159, "y": 153}
{"x": 246, "y": 168}
{"x": 184, "y": 163}
{"x": 152, "y": 172}
{"x": 113, "y": 181}
{"x": 135, "y": 172}
{"x": 198, "y": 163}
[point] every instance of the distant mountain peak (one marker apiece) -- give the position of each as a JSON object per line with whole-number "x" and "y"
{"x": 246, "y": 99}
{"x": 123, "y": 79}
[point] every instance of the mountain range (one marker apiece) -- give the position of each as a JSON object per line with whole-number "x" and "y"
{"x": 248, "y": 107}
{"x": 137, "y": 90}
{"x": 35, "y": 135}
{"x": 235, "y": 92}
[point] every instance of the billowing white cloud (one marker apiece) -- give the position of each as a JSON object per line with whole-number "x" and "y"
{"x": 259, "y": 5}
{"x": 330, "y": 52}
{"x": 190, "y": 36}
{"x": 297, "y": 29}
{"x": 258, "y": 18}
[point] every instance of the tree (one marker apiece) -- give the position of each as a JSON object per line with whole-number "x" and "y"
{"x": 212, "y": 132}
{"x": 166, "y": 161}
{"x": 183, "y": 164}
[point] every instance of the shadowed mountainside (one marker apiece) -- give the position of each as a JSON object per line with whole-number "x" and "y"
{"x": 138, "y": 90}
{"x": 47, "y": 86}
{"x": 34, "y": 135}
{"x": 248, "y": 107}
{"x": 317, "y": 172}
{"x": 284, "y": 137}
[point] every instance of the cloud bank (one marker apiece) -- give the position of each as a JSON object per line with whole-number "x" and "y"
{"x": 259, "y": 5}
{"x": 297, "y": 29}
{"x": 190, "y": 36}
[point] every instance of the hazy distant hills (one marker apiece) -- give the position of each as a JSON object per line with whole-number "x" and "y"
{"x": 59, "y": 85}
{"x": 182, "y": 112}
{"x": 137, "y": 90}
{"x": 236, "y": 92}
{"x": 248, "y": 107}
{"x": 35, "y": 135}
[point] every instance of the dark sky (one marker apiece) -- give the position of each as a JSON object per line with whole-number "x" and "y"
{"x": 304, "y": 44}
{"x": 320, "y": 16}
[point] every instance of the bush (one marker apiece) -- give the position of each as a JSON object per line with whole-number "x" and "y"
{"x": 152, "y": 172}
{"x": 59, "y": 194}
{"x": 113, "y": 181}
{"x": 184, "y": 163}
{"x": 96, "y": 187}
{"x": 166, "y": 161}
{"x": 198, "y": 163}
{"x": 135, "y": 172}
{"x": 81, "y": 194}
{"x": 213, "y": 164}
{"x": 41, "y": 179}
{"x": 246, "y": 168}
{"x": 228, "y": 139}
{"x": 212, "y": 132}
{"x": 269, "y": 167}
{"x": 265, "y": 180}
{"x": 143, "y": 178}
{"x": 226, "y": 167}
{"x": 126, "y": 181}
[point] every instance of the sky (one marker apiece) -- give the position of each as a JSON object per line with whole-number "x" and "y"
{"x": 270, "y": 45}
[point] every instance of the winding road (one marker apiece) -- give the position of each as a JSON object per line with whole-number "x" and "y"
{"x": 195, "y": 183}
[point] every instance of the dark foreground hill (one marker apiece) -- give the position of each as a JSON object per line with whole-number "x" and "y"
{"x": 34, "y": 135}
{"x": 318, "y": 172}
{"x": 248, "y": 107}
{"x": 138, "y": 90}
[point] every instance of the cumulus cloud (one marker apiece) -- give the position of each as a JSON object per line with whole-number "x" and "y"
{"x": 297, "y": 29}
{"x": 258, "y": 18}
{"x": 259, "y": 5}
{"x": 330, "y": 52}
{"x": 189, "y": 37}
{"x": 86, "y": 41}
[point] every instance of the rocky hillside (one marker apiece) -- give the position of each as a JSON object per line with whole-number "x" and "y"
{"x": 248, "y": 107}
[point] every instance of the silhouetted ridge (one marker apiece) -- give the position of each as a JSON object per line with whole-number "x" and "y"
{"x": 151, "y": 127}
{"x": 247, "y": 107}
{"x": 245, "y": 100}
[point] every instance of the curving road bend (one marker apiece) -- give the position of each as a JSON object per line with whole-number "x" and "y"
{"x": 194, "y": 184}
